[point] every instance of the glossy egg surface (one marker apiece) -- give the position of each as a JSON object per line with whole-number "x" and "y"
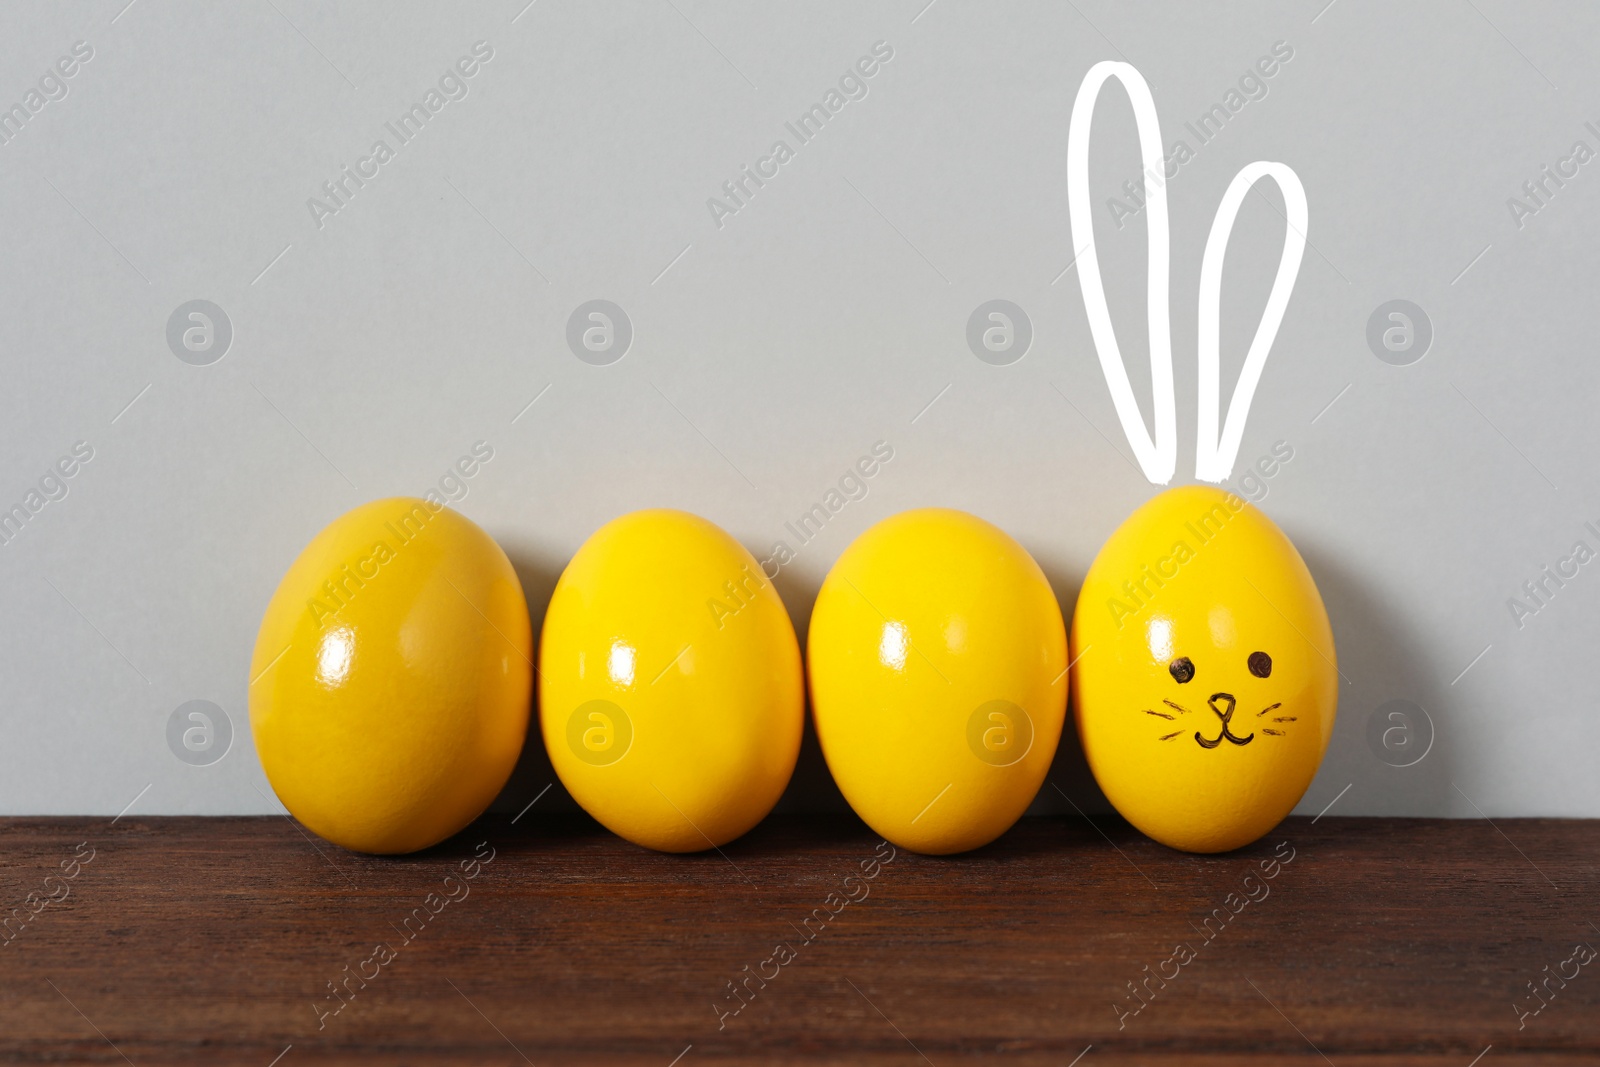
{"x": 937, "y": 662}
{"x": 391, "y": 677}
{"x": 1206, "y": 684}
{"x": 671, "y": 691}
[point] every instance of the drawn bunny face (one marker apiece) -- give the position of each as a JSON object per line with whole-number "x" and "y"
{"x": 1182, "y": 669}
{"x": 1206, "y": 682}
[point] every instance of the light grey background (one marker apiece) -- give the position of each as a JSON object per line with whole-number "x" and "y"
{"x": 769, "y": 353}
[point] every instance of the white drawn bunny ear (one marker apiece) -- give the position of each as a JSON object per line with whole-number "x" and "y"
{"x": 1214, "y": 456}
{"x": 1157, "y": 455}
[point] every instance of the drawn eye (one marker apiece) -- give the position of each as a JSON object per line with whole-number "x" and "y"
{"x": 1260, "y": 664}
{"x": 1182, "y": 668}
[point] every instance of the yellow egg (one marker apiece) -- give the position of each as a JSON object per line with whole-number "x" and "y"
{"x": 938, "y": 660}
{"x": 391, "y": 677}
{"x": 671, "y": 695}
{"x": 1206, "y": 685}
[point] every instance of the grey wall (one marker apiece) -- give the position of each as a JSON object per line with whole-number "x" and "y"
{"x": 768, "y": 352}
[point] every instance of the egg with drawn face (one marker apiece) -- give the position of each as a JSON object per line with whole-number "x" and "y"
{"x": 1206, "y": 682}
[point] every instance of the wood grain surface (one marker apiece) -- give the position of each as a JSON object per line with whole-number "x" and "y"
{"x": 1347, "y": 941}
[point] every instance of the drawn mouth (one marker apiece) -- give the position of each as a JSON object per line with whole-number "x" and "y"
{"x": 1226, "y": 717}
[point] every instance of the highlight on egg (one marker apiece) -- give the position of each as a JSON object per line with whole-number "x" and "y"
{"x": 937, "y": 659}
{"x": 1207, "y": 680}
{"x": 671, "y": 691}
{"x": 391, "y": 678}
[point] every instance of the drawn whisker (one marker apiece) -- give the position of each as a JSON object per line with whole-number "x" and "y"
{"x": 1169, "y": 737}
{"x": 1176, "y": 707}
{"x": 1159, "y": 714}
{"x": 1274, "y": 733}
{"x": 1269, "y": 707}
{"x": 1284, "y": 718}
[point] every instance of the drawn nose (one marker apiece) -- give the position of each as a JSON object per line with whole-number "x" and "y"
{"x": 1222, "y": 713}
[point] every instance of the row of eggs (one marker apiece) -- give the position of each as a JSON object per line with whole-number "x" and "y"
{"x": 393, "y": 676}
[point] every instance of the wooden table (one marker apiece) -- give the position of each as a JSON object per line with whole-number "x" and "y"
{"x": 1347, "y": 941}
